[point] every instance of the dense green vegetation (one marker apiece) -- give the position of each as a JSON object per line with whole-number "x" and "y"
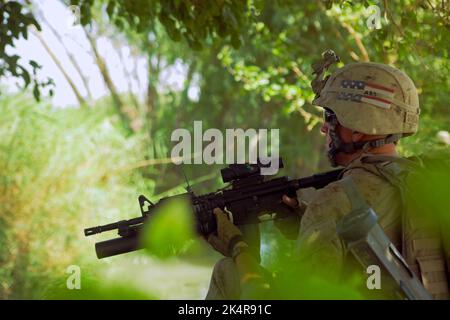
{"x": 64, "y": 169}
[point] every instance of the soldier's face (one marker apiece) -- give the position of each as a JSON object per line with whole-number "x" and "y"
{"x": 344, "y": 133}
{"x": 324, "y": 129}
{"x": 346, "y": 136}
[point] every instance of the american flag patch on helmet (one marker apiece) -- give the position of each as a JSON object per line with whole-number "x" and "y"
{"x": 372, "y": 93}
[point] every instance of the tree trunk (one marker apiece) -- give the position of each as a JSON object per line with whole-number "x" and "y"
{"x": 184, "y": 95}
{"x": 79, "y": 97}
{"x": 118, "y": 104}
{"x": 71, "y": 57}
{"x": 152, "y": 94}
{"x": 129, "y": 78}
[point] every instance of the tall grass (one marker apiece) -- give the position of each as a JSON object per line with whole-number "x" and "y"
{"x": 60, "y": 171}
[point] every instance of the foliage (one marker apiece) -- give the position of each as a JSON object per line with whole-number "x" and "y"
{"x": 60, "y": 173}
{"x": 170, "y": 230}
{"x": 191, "y": 20}
{"x": 427, "y": 195}
{"x": 280, "y": 48}
{"x": 93, "y": 288}
{"x": 15, "y": 22}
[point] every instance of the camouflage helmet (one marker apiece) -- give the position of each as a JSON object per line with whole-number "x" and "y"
{"x": 371, "y": 98}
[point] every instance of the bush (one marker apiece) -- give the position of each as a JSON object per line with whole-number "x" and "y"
{"x": 61, "y": 172}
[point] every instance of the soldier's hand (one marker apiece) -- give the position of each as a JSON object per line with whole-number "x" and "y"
{"x": 290, "y": 224}
{"x": 228, "y": 235}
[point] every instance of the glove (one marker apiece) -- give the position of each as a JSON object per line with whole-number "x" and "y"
{"x": 289, "y": 226}
{"x": 228, "y": 237}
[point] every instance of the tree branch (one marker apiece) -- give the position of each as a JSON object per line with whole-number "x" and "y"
{"x": 118, "y": 104}
{"x": 79, "y": 97}
{"x": 358, "y": 41}
{"x": 68, "y": 53}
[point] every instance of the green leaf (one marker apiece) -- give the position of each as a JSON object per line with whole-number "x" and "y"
{"x": 25, "y": 76}
{"x": 110, "y": 8}
{"x": 36, "y": 92}
{"x": 35, "y": 65}
{"x": 170, "y": 229}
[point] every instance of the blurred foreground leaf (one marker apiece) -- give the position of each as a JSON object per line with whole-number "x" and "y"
{"x": 170, "y": 229}
{"x": 428, "y": 194}
{"x": 92, "y": 288}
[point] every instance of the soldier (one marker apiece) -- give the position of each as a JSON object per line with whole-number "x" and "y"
{"x": 368, "y": 107}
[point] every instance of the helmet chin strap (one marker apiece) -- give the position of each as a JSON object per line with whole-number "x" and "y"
{"x": 336, "y": 142}
{"x": 337, "y": 145}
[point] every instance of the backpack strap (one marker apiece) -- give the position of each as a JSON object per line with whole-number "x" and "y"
{"x": 357, "y": 202}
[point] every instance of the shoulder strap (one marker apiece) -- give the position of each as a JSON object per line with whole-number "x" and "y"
{"x": 356, "y": 199}
{"x": 392, "y": 169}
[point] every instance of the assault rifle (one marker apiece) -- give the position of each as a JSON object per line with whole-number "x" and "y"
{"x": 247, "y": 198}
